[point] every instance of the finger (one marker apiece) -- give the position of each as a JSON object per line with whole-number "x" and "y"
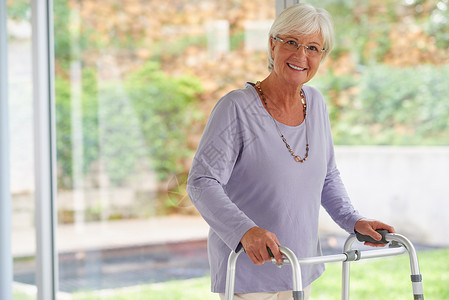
{"x": 254, "y": 258}
{"x": 374, "y": 245}
{"x": 370, "y": 231}
{"x": 265, "y": 255}
{"x": 389, "y": 228}
{"x": 259, "y": 258}
{"x": 380, "y": 225}
{"x": 274, "y": 246}
{"x": 376, "y": 235}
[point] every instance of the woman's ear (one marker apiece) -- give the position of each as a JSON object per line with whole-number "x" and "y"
{"x": 272, "y": 44}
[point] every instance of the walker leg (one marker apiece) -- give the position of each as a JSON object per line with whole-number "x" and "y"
{"x": 418, "y": 292}
{"x": 230, "y": 275}
{"x": 346, "y": 268}
{"x": 298, "y": 295}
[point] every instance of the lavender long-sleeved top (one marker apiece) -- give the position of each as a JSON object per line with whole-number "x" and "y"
{"x": 243, "y": 176}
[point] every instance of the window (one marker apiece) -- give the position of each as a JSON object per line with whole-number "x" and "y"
{"x": 385, "y": 84}
{"x": 21, "y": 149}
{"x": 134, "y": 85}
{"x": 135, "y": 82}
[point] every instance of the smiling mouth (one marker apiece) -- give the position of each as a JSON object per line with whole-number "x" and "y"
{"x": 296, "y": 68}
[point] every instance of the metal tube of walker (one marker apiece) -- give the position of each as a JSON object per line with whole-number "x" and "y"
{"x": 346, "y": 267}
{"x": 230, "y": 274}
{"x": 416, "y": 277}
{"x": 298, "y": 293}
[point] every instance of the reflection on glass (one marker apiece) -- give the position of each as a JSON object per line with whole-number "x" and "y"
{"x": 131, "y": 85}
{"x": 21, "y": 149}
{"x": 135, "y": 83}
{"x": 384, "y": 80}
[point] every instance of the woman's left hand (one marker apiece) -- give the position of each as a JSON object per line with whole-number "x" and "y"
{"x": 369, "y": 227}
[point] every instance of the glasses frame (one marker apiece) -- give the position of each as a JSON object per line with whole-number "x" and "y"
{"x": 307, "y": 49}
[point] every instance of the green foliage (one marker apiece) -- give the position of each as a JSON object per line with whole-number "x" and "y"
{"x": 88, "y": 120}
{"x": 124, "y": 124}
{"x": 236, "y": 40}
{"x": 163, "y": 107}
{"x": 434, "y": 17}
{"x": 121, "y": 144}
{"x": 392, "y": 106}
{"x": 62, "y": 40}
{"x": 439, "y": 23}
{"x": 175, "y": 47}
{"x": 19, "y": 10}
{"x": 332, "y": 87}
{"x": 63, "y": 136}
{"x": 147, "y": 117}
{"x": 73, "y": 36}
{"x": 358, "y": 28}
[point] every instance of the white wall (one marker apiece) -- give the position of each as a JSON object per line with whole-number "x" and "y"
{"x": 407, "y": 187}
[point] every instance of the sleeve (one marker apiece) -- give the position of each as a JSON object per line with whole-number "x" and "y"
{"x": 215, "y": 158}
{"x": 334, "y": 197}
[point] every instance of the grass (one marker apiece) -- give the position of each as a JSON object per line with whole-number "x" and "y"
{"x": 191, "y": 289}
{"x": 387, "y": 278}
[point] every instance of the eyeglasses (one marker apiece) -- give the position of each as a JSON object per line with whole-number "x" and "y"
{"x": 292, "y": 45}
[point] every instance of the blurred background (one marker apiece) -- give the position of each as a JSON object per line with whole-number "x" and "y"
{"x": 135, "y": 82}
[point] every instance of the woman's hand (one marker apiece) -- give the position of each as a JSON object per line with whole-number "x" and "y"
{"x": 369, "y": 227}
{"x": 255, "y": 242}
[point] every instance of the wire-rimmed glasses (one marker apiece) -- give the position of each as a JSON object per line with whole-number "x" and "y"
{"x": 292, "y": 45}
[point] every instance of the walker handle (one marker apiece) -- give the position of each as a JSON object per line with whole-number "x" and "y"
{"x": 367, "y": 238}
{"x": 269, "y": 252}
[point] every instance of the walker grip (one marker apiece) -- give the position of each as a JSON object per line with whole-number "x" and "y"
{"x": 367, "y": 238}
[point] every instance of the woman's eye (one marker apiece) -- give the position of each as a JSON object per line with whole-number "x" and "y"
{"x": 293, "y": 43}
{"x": 313, "y": 48}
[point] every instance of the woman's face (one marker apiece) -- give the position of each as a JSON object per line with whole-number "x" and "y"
{"x": 295, "y": 66}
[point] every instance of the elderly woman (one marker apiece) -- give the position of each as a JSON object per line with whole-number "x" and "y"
{"x": 266, "y": 163}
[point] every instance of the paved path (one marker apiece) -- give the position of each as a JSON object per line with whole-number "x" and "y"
{"x": 118, "y": 254}
{"x": 116, "y": 234}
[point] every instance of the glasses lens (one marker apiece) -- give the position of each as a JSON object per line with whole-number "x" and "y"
{"x": 312, "y": 52}
{"x": 291, "y": 45}
{"x": 294, "y": 46}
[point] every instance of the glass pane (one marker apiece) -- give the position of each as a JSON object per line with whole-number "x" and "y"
{"x": 134, "y": 85}
{"x": 21, "y": 148}
{"x": 385, "y": 80}
{"x": 385, "y": 84}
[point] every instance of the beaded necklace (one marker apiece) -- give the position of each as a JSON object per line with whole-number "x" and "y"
{"x": 296, "y": 157}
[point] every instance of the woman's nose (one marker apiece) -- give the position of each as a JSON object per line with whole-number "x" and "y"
{"x": 302, "y": 50}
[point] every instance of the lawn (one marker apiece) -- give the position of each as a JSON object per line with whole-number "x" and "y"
{"x": 387, "y": 278}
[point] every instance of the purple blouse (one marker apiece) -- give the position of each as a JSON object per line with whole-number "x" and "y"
{"x": 243, "y": 176}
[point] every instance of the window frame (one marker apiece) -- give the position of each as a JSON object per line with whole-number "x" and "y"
{"x": 6, "y": 269}
{"x": 44, "y": 149}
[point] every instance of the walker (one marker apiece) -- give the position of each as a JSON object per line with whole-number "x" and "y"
{"x": 398, "y": 244}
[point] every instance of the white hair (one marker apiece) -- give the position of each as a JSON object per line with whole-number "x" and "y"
{"x": 303, "y": 19}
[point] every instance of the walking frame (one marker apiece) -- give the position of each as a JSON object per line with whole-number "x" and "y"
{"x": 398, "y": 244}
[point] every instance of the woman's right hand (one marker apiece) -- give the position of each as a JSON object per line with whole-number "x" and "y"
{"x": 255, "y": 242}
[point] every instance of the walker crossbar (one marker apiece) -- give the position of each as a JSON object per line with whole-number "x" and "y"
{"x": 289, "y": 258}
